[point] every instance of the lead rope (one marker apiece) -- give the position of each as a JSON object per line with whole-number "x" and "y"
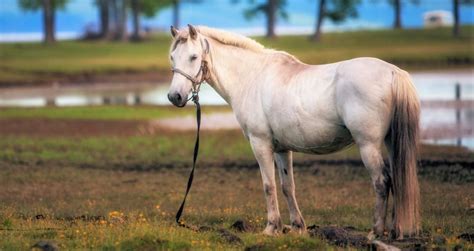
{"x": 195, "y": 99}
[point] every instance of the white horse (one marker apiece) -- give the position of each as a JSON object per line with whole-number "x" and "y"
{"x": 284, "y": 105}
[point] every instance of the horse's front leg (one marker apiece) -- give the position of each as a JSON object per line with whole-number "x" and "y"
{"x": 284, "y": 162}
{"x": 264, "y": 154}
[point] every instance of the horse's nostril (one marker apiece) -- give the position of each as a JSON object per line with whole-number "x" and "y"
{"x": 178, "y": 97}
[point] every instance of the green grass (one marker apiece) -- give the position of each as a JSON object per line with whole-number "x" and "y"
{"x": 127, "y": 183}
{"x": 122, "y": 192}
{"x": 135, "y": 210}
{"x": 145, "y": 151}
{"x": 105, "y": 112}
{"x": 411, "y": 48}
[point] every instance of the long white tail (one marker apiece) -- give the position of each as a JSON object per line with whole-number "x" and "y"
{"x": 403, "y": 147}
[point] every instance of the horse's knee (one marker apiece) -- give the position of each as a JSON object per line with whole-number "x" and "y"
{"x": 287, "y": 191}
{"x": 269, "y": 189}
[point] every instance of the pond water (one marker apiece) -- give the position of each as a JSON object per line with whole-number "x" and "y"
{"x": 450, "y": 124}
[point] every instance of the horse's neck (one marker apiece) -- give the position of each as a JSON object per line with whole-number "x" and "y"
{"x": 233, "y": 70}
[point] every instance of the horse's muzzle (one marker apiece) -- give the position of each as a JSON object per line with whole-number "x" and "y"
{"x": 177, "y": 99}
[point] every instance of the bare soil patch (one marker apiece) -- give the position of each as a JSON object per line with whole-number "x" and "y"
{"x": 69, "y": 127}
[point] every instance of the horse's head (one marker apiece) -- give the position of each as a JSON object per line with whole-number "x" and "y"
{"x": 187, "y": 55}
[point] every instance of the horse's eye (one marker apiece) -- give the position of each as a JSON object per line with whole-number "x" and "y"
{"x": 171, "y": 57}
{"x": 193, "y": 57}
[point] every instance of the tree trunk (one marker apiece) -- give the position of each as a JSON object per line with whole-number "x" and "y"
{"x": 104, "y": 18}
{"x": 48, "y": 21}
{"x": 176, "y": 13}
{"x": 113, "y": 20}
{"x": 321, "y": 11}
{"x": 271, "y": 18}
{"x": 122, "y": 21}
{"x": 136, "y": 19}
{"x": 456, "y": 28}
{"x": 398, "y": 14}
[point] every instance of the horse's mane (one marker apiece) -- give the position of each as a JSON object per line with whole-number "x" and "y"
{"x": 232, "y": 39}
{"x": 229, "y": 38}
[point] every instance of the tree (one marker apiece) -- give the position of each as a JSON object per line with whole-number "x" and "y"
{"x": 397, "y": 8}
{"x": 112, "y": 19}
{"x": 147, "y": 8}
{"x": 335, "y": 10}
{"x": 176, "y": 18}
{"x": 103, "y": 6}
{"x": 120, "y": 19}
{"x": 135, "y": 6}
{"x": 176, "y": 6}
{"x": 271, "y": 9}
{"x": 113, "y": 15}
{"x": 456, "y": 6}
{"x": 49, "y": 8}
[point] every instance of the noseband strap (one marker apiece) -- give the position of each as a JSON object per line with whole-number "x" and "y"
{"x": 203, "y": 72}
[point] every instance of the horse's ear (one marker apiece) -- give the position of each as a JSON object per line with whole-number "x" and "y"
{"x": 174, "y": 31}
{"x": 206, "y": 46}
{"x": 192, "y": 31}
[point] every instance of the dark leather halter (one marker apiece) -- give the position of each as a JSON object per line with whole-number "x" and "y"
{"x": 196, "y": 81}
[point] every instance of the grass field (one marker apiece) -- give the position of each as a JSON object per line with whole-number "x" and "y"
{"x": 34, "y": 63}
{"x": 105, "y": 112}
{"x": 116, "y": 192}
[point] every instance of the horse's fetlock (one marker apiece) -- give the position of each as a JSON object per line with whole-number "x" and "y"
{"x": 275, "y": 223}
{"x": 379, "y": 229}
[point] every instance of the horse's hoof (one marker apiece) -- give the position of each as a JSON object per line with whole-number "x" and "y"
{"x": 299, "y": 228}
{"x": 270, "y": 232}
{"x": 273, "y": 229}
{"x": 376, "y": 234}
{"x": 287, "y": 229}
{"x": 371, "y": 236}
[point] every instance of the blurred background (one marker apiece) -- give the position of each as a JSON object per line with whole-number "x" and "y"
{"x": 83, "y": 109}
{"x": 100, "y": 52}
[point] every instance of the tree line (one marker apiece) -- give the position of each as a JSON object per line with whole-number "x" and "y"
{"x": 113, "y": 14}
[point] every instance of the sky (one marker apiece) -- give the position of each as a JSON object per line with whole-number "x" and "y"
{"x": 224, "y": 14}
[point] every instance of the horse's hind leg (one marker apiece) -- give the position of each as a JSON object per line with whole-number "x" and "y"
{"x": 284, "y": 162}
{"x": 380, "y": 174}
{"x": 264, "y": 154}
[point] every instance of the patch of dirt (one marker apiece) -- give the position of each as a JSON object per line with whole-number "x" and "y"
{"x": 214, "y": 121}
{"x": 340, "y": 236}
{"x": 229, "y": 237}
{"x": 454, "y": 171}
{"x": 349, "y": 236}
{"x": 467, "y": 236}
{"x": 69, "y": 127}
{"x": 45, "y": 245}
{"x": 257, "y": 247}
{"x": 242, "y": 226}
